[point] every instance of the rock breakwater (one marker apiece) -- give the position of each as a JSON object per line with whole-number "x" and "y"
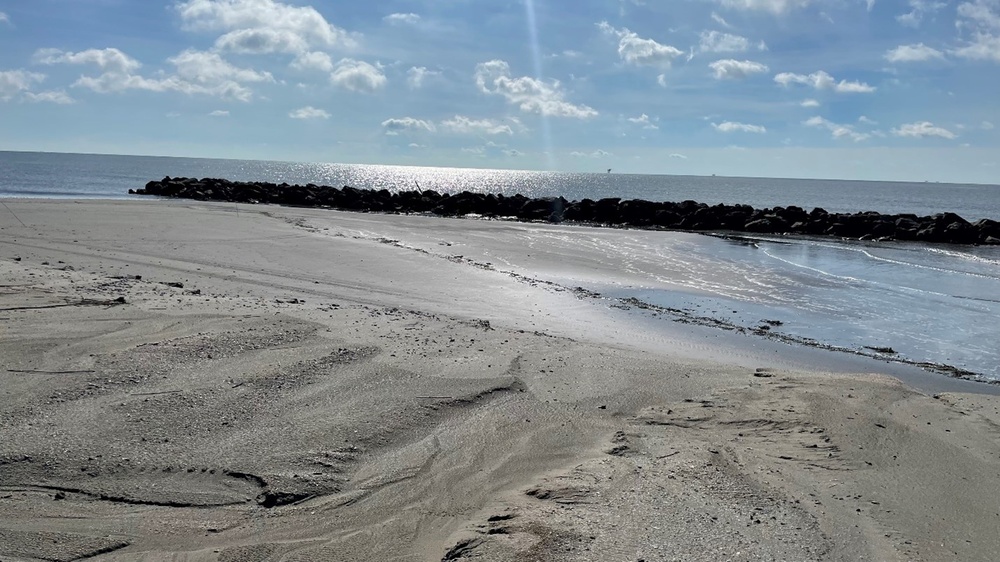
{"x": 685, "y": 215}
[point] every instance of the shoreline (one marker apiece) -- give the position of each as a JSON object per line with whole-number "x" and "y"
{"x": 911, "y": 370}
{"x": 690, "y": 216}
{"x": 266, "y": 388}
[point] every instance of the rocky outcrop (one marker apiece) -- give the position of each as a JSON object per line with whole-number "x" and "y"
{"x": 685, "y": 215}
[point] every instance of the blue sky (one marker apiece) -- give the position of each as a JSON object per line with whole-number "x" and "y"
{"x": 857, "y": 89}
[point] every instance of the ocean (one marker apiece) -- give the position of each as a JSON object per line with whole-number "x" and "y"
{"x": 935, "y": 304}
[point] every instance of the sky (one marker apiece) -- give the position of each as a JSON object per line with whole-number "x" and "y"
{"x": 852, "y": 89}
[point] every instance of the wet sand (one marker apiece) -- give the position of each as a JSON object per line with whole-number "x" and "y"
{"x": 185, "y": 381}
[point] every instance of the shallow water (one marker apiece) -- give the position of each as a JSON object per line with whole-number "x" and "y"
{"x": 937, "y": 304}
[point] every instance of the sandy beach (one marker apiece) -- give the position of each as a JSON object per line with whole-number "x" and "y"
{"x": 206, "y": 381}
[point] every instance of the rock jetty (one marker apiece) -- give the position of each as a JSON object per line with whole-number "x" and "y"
{"x": 685, "y": 215}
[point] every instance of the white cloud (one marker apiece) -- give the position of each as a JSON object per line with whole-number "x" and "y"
{"x": 400, "y": 18}
{"x": 262, "y": 41}
{"x": 661, "y": 79}
{"x": 52, "y": 96}
{"x": 406, "y": 125}
{"x": 719, "y": 42}
{"x": 913, "y": 53}
{"x": 645, "y": 121}
{"x": 313, "y": 60}
{"x": 986, "y": 126}
{"x": 984, "y": 46}
{"x": 464, "y": 125}
{"x": 822, "y": 81}
{"x": 867, "y": 120}
{"x": 263, "y": 24}
{"x": 595, "y": 154}
{"x": 720, "y": 20}
{"x": 219, "y": 113}
{"x": 638, "y": 51}
{"x": 108, "y": 60}
{"x": 982, "y": 19}
{"x": 15, "y": 82}
{"x": 198, "y": 72}
{"x": 733, "y": 126}
{"x": 678, "y": 156}
{"x": 982, "y": 14}
{"x": 838, "y": 131}
{"x": 209, "y": 68}
{"x": 736, "y": 69}
{"x": 529, "y": 94}
{"x": 923, "y": 129}
{"x": 357, "y": 76}
{"x": 918, "y": 9}
{"x": 776, "y": 7}
{"x": 417, "y": 74}
{"x": 809, "y": 103}
{"x": 309, "y": 112}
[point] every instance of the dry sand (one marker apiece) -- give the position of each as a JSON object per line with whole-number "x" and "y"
{"x": 204, "y": 382}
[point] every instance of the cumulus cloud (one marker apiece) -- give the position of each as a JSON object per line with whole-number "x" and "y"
{"x": 733, "y": 126}
{"x": 52, "y": 96}
{"x": 981, "y": 20}
{"x": 416, "y": 76}
{"x": 406, "y": 125}
{"x": 465, "y": 125}
{"x": 776, "y": 7}
{"x": 638, "y": 51}
{"x": 595, "y": 154}
{"x": 913, "y": 53}
{"x": 14, "y": 82}
{"x": 979, "y": 14}
{"x": 262, "y": 41}
{"x": 309, "y": 112}
{"x": 529, "y": 94}
{"x": 645, "y": 121}
{"x": 357, "y": 76}
{"x": 838, "y": 131}
{"x": 263, "y": 25}
{"x": 399, "y": 18}
{"x": 983, "y": 46}
{"x": 210, "y": 68}
{"x": 108, "y": 60}
{"x": 219, "y": 113}
{"x": 809, "y": 103}
{"x": 923, "y": 129}
{"x": 823, "y": 81}
{"x": 736, "y": 69}
{"x": 313, "y": 60}
{"x": 919, "y": 9}
{"x": 719, "y": 42}
{"x": 720, "y": 20}
{"x": 197, "y": 72}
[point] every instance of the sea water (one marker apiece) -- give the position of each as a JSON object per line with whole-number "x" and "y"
{"x": 928, "y": 303}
